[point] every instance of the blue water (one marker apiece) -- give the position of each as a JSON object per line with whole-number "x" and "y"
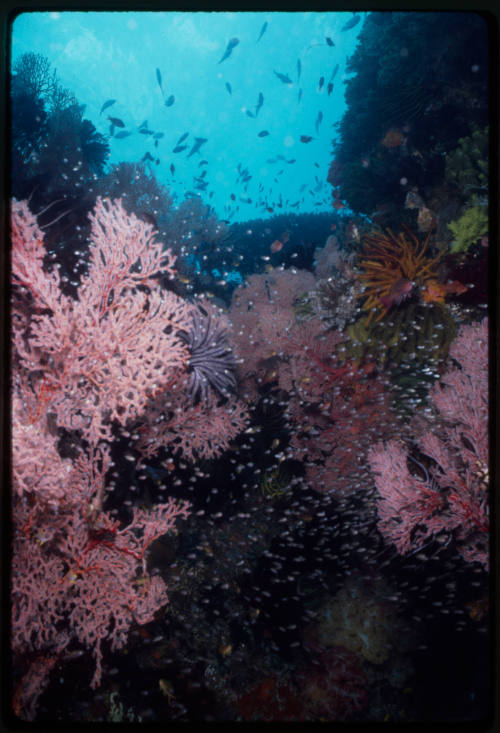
{"x": 114, "y": 55}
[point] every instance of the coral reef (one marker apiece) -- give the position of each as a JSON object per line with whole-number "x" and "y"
{"x": 395, "y": 88}
{"x": 468, "y": 229}
{"x": 85, "y": 367}
{"x": 410, "y": 345}
{"x": 467, "y": 165}
{"x": 442, "y": 490}
{"x": 359, "y": 618}
{"x": 333, "y": 301}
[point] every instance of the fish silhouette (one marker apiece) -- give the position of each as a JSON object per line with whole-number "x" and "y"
{"x": 229, "y": 49}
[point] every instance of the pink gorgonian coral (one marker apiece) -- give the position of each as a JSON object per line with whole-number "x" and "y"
{"x": 444, "y": 491}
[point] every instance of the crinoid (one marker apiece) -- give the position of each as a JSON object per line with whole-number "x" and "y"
{"x": 212, "y": 364}
{"x": 391, "y": 266}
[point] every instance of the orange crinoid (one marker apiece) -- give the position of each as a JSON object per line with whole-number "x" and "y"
{"x": 392, "y": 265}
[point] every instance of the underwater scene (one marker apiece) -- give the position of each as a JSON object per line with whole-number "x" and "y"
{"x": 249, "y": 366}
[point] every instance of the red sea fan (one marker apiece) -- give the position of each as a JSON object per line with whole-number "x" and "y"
{"x": 447, "y": 492}
{"x": 98, "y": 358}
{"x": 86, "y": 577}
{"x": 202, "y": 431}
{"x": 83, "y": 364}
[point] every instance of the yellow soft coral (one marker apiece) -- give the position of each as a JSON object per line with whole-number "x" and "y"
{"x": 387, "y": 260}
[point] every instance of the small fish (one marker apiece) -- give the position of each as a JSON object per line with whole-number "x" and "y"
{"x": 351, "y": 23}
{"x": 319, "y": 118}
{"x": 145, "y": 131}
{"x": 228, "y": 87}
{"x": 147, "y": 156}
{"x": 107, "y": 104}
{"x": 435, "y": 292}
{"x": 179, "y": 148}
{"x": 169, "y": 102}
{"x": 172, "y": 168}
{"x": 329, "y": 41}
{"x": 122, "y": 134}
{"x": 292, "y": 160}
{"x": 232, "y": 43}
{"x": 158, "y": 77}
{"x": 262, "y": 31}
{"x": 321, "y": 82}
{"x": 276, "y": 246}
{"x": 182, "y": 138}
{"x": 299, "y": 96}
{"x": 250, "y": 114}
{"x": 198, "y": 142}
{"x": 398, "y": 292}
{"x": 299, "y": 69}
{"x": 353, "y": 232}
{"x": 158, "y": 135}
{"x": 306, "y": 138}
{"x": 166, "y": 689}
{"x": 263, "y": 133}
{"x": 116, "y": 121}
{"x": 259, "y": 104}
{"x": 225, "y": 649}
{"x": 283, "y": 77}
{"x": 334, "y": 72}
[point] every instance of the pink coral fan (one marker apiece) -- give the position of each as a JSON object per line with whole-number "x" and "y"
{"x": 446, "y": 491}
{"x": 99, "y": 358}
